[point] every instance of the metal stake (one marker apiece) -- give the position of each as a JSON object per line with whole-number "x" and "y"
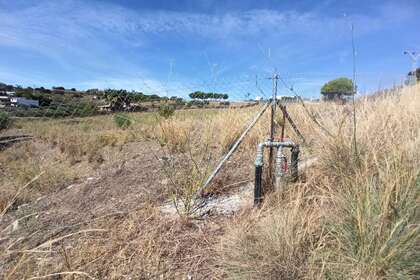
{"x": 272, "y": 128}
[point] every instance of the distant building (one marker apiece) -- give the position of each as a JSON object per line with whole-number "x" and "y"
{"x": 23, "y": 102}
{"x": 5, "y": 97}
{"x": 4, "y": 101}
{"x": 258, "y": 98}
{"x": 104, "y": 108}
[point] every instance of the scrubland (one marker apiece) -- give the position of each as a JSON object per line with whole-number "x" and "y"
{"x": 352, "y": 215}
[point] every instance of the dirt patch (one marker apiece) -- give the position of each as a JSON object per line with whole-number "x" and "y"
{"x": 109, "y": 226}
{"x": 226, "y": 204}
{"x": 124, "y": 187}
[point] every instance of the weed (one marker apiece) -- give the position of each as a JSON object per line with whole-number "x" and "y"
{"x": 173, "y": 134}
{"x": 122, "y": 120}
{"x": 166, "y": 111}
{"x": 367, "y": 227}
{"x": 4, "y": 120}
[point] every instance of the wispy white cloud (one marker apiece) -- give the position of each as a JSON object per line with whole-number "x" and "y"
{"x": 87, "y": 36}
{"x": 75, "y": 20}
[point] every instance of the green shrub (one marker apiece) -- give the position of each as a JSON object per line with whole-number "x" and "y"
{"x": 4, "y": 120}
{"x": 195, "y": 103}
{"x": 166, "y": 111}
{"x": 84, "y": 110}
{"x": 122, "y": 120}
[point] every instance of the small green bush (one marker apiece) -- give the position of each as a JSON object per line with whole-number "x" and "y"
{"x": 122, "y": 120}
{"x": 195, "y": 103}
{"x": 4, "y": 120}
{"x": 166, "y": 111}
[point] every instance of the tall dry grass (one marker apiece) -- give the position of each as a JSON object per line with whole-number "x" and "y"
{"x": 358, "y": 218}
{"x": 353, "y": 217}
{"x": 194, "y": 143}
{"x": 20, "y": 165}
{"x": 272, "y": 243}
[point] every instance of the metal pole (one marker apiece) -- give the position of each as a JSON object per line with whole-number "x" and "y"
{"x": 258, "y": 194}
{"x": 283, "y": 125}
{"x": 272, "y": 128}
{"x": 294, "y": 163}
{"x": 292, "y": 123}
{"x": 234, "y": 147}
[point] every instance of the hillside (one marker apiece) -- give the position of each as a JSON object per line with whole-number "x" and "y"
{"x": 59, "y": 102}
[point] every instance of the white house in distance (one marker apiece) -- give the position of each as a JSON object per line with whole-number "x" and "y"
{"x": 5, "y": 98}
{"x": 4, "y": 101}
{"x": 258, "y": 98}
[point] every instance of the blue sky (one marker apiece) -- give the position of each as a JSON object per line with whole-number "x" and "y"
{"x": 175, "y": 47}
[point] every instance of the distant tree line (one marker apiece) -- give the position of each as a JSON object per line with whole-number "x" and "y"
{"x": 59, "y": 101}
{"x": 208, "y": 95}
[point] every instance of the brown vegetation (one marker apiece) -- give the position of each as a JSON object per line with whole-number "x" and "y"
{"x": 352, "y": 216}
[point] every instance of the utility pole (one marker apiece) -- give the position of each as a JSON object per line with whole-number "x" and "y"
{"x": 272, "y": 126}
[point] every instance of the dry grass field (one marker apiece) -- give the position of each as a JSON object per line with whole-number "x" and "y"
{"x": 81, "y": 200}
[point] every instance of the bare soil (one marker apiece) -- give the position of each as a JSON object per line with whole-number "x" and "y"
{"x": 88, "y": 220}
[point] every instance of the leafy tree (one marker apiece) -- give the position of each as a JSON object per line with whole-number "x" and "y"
{"x": 207, "y": 95}
{"x": 92, "y": 91}
{"x": 122, "y": 99}
{"x": 337, "y": 89}
{"x": 217, "y": 96}
{"x": 153, "y": 97}
{"x": 118, "y": 99}
{"x": 42, "y": 99}
{"x": 8, "y": 87}
{"x": 24, "y": 92}
{"x": 196, "y": 95}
